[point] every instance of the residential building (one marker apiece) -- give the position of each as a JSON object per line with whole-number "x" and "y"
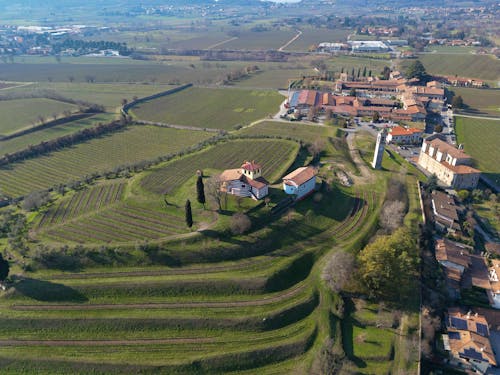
{"x": 449, "y": 164}
{"x": 455, "y": 260}
{"x": 468, "y": 339}
{"x": 402, "y": 135}
{"x": 246, "y": 181}
{"x": 445, "y": 212}
{"x": 301, "y": 182}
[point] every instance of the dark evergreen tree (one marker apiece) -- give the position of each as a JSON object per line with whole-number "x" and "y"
{"x": 189, "y": 214}
{"x": 417, "y": 70}
{"x": 457, "y": 102}
{"x": 200, "y": 191}
{"x": 364, "y": 71}
{"x": 4, "y": 268}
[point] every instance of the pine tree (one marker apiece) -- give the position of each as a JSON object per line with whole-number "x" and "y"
{"x": 200, "y": 191}
{"x": 189, "y": 214}
{"x": 4, "y": 268}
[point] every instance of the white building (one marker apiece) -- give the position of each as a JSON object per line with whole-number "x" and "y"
{"x": 246, "y": 181}
{"x": 300, "y": 182}
{"x": 368, "y": 46}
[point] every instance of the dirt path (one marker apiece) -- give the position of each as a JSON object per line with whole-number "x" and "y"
{"x": 186, "y": 340}
{"x": 367, "y": 176}
{"x": 478, "y": 117}
{"x": 165, "y": 305}
{"x": 223, "y": 42}
{"x": 299, "y": 33}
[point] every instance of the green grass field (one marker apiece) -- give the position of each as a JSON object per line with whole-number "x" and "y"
{"x": 210, "y": 108}
{"x": 304, "y": 132}
{"x": 479, "y": 138}
{"x": 479, "y": 101}
{"x": 21, "y": 142}
{"x": 313, "y": 36}
{"x": 251, "y": 40}
{"x": 135, "y": 143}
{"x": 23, "y": 113}
{"x": 472, "y": 66}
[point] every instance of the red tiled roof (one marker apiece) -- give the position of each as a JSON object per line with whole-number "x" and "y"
{"x": 399, "y": 130}
{"x": 251, "y": 166}
{"x": 300, "y": 176}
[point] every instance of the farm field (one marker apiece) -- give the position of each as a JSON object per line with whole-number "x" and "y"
{"x": 21, "y": 142}
{"x": 260, "y": 40}
{"x": 274, "y": 78}
{"x": 479, "y": 101}
{"x": 210, "y": 108}
{"x": 108, "y": 95}
{"x": 303, "y": 132}
{"x": 22, "y": 113}
{"x": 314, "y": 36}
{"x": 112, "y": 71}
{"x": 133, "y": 144}
{"x": 480, "y": 139}
{"x": 472, "y": 66}
{"x": 274, "y": 155}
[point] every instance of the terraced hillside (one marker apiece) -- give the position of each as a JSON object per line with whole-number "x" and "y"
{"x": 133, "y": 144}
{"x": 260, "y": 309}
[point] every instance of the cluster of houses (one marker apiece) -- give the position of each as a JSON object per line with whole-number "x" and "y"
{"x": 473, "y": 334}
{"x": 247, "y": 181}
{"x": 396, "y": 99}
{"x": 463, "y": 82}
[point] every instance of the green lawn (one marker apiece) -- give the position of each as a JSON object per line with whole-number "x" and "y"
{"x": 480, "y": 139}
{"x": 479, "y": 101}
{"x": 303, "y": 132}
{"x": 210, "y": 108}
{"x": 472, "y": 66}
{"x": 133, "y": 144}
{"x": 21, "y": 142}
{"x": 24, "y": 113}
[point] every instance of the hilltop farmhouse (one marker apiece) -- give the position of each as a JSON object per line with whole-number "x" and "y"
{"x": 246, "y": 181}
{"x": 449, "y": 164}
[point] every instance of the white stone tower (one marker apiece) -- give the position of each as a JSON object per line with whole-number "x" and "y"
{"x": 379, "y": 149}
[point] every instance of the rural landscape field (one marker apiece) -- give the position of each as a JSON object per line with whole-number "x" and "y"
{"x": 210, "y": 187}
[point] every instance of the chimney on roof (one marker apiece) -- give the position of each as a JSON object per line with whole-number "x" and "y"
{"x": 468, "y": 314}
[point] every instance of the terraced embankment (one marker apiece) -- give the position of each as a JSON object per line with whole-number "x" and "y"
{"x": 261, "y": 311}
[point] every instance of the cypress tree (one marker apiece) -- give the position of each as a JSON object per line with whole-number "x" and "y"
{"x": 4, "y": 268}
{"x": 189, "y": 214}
{"x": 200, "y": 191}
{"x": 364, "y": 71}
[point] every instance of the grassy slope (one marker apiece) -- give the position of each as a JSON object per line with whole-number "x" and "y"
{"x": 210, "y": 108}
{"x": 480, "y": 140}
{"x": 133, "y": 144}
{"x": 22, "y": 113}
{"x": 480, "y": 101}
{"x": 473, "y": 66}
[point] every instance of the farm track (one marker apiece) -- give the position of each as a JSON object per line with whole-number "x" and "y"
{"x": 164, "y": 305}
{"x": 105, "y": 342}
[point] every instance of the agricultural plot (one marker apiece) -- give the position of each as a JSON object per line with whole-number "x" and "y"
{"x": 274, "y": 77}
{"x": 314, "y": 36}
{"x": 303, "y": 132}
{"x": 479, "y": 101}
{"x": 115, "y": 71}
{"x": 108, "y": 95}
{"x": 274, "y": 155}
{"x": 260, "y": 40}
{"x": 210, "y": 108}
{"x": 480, "y": 139}
{"x": 19, "y": 143}
{"x": 474, "y": 66}
{"x": 23, "y": 113}
{"x": 133, "y": 144}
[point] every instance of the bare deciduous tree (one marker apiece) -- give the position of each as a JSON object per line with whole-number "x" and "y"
{"x": 212, "y": 189}
{"x": 338, "y": 270}
{"x": 240, "y": 223}
{"x": 392, "y": 215}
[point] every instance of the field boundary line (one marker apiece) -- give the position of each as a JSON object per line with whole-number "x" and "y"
{"x": 299, "y": 33}
{"x": 223, "y": 42}
{"x": 476, "y": 117}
